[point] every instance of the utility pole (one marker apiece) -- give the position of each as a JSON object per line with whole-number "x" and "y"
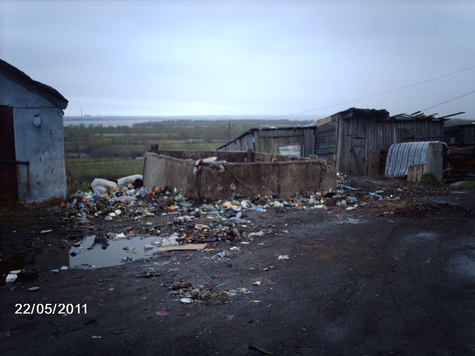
{"x": 229, "y": 130}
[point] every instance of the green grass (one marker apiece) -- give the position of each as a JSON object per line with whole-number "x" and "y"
{"x": 470, "y": 184}
{"x": 108, "y": 168}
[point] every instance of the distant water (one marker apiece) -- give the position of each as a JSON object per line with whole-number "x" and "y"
{"x": 130, "y": 120}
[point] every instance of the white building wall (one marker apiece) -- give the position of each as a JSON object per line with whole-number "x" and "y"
{"x": 39, "y": 139}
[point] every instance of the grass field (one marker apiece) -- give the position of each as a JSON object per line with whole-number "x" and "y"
{"x": 108, "y": 168}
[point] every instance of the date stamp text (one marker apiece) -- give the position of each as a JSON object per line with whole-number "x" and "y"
{"x": 50, "y": 308}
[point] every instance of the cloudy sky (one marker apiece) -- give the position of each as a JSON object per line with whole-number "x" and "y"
{"x": 193, "y": 57}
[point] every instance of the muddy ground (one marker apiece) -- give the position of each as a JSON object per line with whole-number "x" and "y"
{"x": 391, "y": 277}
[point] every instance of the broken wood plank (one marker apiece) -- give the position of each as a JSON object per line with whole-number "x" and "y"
{"x": 188, "y": 247}
{"x": 414, "y": 173}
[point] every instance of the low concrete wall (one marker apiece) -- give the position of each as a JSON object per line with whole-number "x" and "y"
{"x": 229, "y": 156}
{"x": 283, "y": 179}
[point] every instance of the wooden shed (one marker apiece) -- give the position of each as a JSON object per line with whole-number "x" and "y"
{"x": 354, "y": 138}
{"x": 297, "y": 141}
{"x": 460, "y": 134}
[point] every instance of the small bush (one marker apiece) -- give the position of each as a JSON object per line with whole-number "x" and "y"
{"x": 429, "y": 179}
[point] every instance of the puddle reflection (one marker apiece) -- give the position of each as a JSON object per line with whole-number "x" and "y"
{"x": 117, "y": 252}
{"x": 41, "y": 261}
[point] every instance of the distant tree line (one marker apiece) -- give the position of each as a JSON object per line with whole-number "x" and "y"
{"x": 98, "y": 141}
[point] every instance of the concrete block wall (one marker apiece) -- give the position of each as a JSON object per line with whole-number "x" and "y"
{"x": 283, "y": 179}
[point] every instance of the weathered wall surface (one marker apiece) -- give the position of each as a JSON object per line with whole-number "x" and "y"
{"x": 283, "y": 179}
{"x": 42, "y": 145}
{"x": 270, "y": 140}
{"x": 350, "y": 138}
{"x": 168, "y": 171}
{"x": 459, "y": 134}
{"x": 435, "y": 161}
{"x": 228, "y": 156}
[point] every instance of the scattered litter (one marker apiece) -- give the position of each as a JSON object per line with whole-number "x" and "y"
{"x": 184, "y": 247}
{"x": 12, "y": 276}
{"x": 186, "y": 300}
{"x": 162, "y": 313}
{"x": 260, "y": 349}
{"x": 177, "y": 286}
{"x": 283, "y": 257}
{"x": 171, "y": 240}
{"x": 33, "y": 288}
{"x": 253, "y": 234}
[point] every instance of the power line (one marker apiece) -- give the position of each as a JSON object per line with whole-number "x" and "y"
{"x": 386, "y": 92}
{"x": 447, "y": 101}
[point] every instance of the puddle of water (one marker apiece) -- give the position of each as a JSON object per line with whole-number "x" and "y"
{"x": 349, "y": 221}
{"x": 464, "y": 265}
{"x": 422, "y": 236}
{"x": 114, "y": 254}
{"x": 43, "y": 261}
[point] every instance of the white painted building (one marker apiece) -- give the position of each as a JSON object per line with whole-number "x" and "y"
{"x": 31, "y": 138}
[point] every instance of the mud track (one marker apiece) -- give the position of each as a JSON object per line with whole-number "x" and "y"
{"x": 383, "y": 280}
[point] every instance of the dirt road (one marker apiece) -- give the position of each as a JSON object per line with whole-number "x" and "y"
{"x": 383, "y": 279}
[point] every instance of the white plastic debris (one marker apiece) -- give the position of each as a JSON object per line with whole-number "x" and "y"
{"x": 107, "y": 184}
{"x": 125, "y": 181}
{"x": 283, "y": 257}
{"x": 170, "y": 240}
{"x": 11, "y": 277}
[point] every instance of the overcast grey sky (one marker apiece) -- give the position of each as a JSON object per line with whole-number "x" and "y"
{"x": 245, "y": 57}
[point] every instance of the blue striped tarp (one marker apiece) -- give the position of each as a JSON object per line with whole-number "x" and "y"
{"x": 403, "y": 155}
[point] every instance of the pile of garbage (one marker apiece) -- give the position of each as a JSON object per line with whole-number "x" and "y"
{"x": 177, "y": 219}
{"x": 129, "y": 199}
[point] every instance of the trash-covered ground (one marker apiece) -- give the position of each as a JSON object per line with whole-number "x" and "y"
{"x": 375, "y": 267}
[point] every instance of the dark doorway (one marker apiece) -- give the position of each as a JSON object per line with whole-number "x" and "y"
{"x": 8, "y": 167}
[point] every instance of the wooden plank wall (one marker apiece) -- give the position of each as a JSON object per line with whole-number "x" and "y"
{"x": 466, "y": 133}
{"x": 419, "y": 130}
{"x": 325, "y": 141}
{"x": 269, "y": 141}
{"x": 359, "y": 139}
